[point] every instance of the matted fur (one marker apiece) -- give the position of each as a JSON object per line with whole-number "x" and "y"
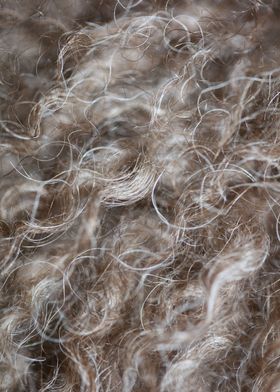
{"x": 139, "y": 200}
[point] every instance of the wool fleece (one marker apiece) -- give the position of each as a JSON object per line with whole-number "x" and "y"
{"x": 139, "y": 195}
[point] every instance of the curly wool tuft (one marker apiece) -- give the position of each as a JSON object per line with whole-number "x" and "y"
{"x": 139, "y": 199}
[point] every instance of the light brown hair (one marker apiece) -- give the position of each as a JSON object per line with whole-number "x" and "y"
{"x": 139, "y": 211}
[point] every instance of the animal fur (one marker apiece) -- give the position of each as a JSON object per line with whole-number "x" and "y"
{"x": 139, "y": 199}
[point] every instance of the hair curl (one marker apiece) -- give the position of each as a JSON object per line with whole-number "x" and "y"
{"x": 139, "y": 208}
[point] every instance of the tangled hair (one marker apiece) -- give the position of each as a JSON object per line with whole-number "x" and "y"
{"x": 139, "y": 199}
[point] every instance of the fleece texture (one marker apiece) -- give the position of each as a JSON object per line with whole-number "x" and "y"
{"x": 140, "y": 196}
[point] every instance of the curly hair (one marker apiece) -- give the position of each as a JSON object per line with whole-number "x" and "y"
{"x": 139, "y": 207}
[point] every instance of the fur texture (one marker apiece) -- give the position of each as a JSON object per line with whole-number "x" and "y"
{"x": 139, "y": 207}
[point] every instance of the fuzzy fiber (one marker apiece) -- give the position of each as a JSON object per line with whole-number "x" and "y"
{"x": 140, "y": 195}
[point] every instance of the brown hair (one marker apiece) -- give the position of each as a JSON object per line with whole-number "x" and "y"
{"x": 139, "y": 196}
